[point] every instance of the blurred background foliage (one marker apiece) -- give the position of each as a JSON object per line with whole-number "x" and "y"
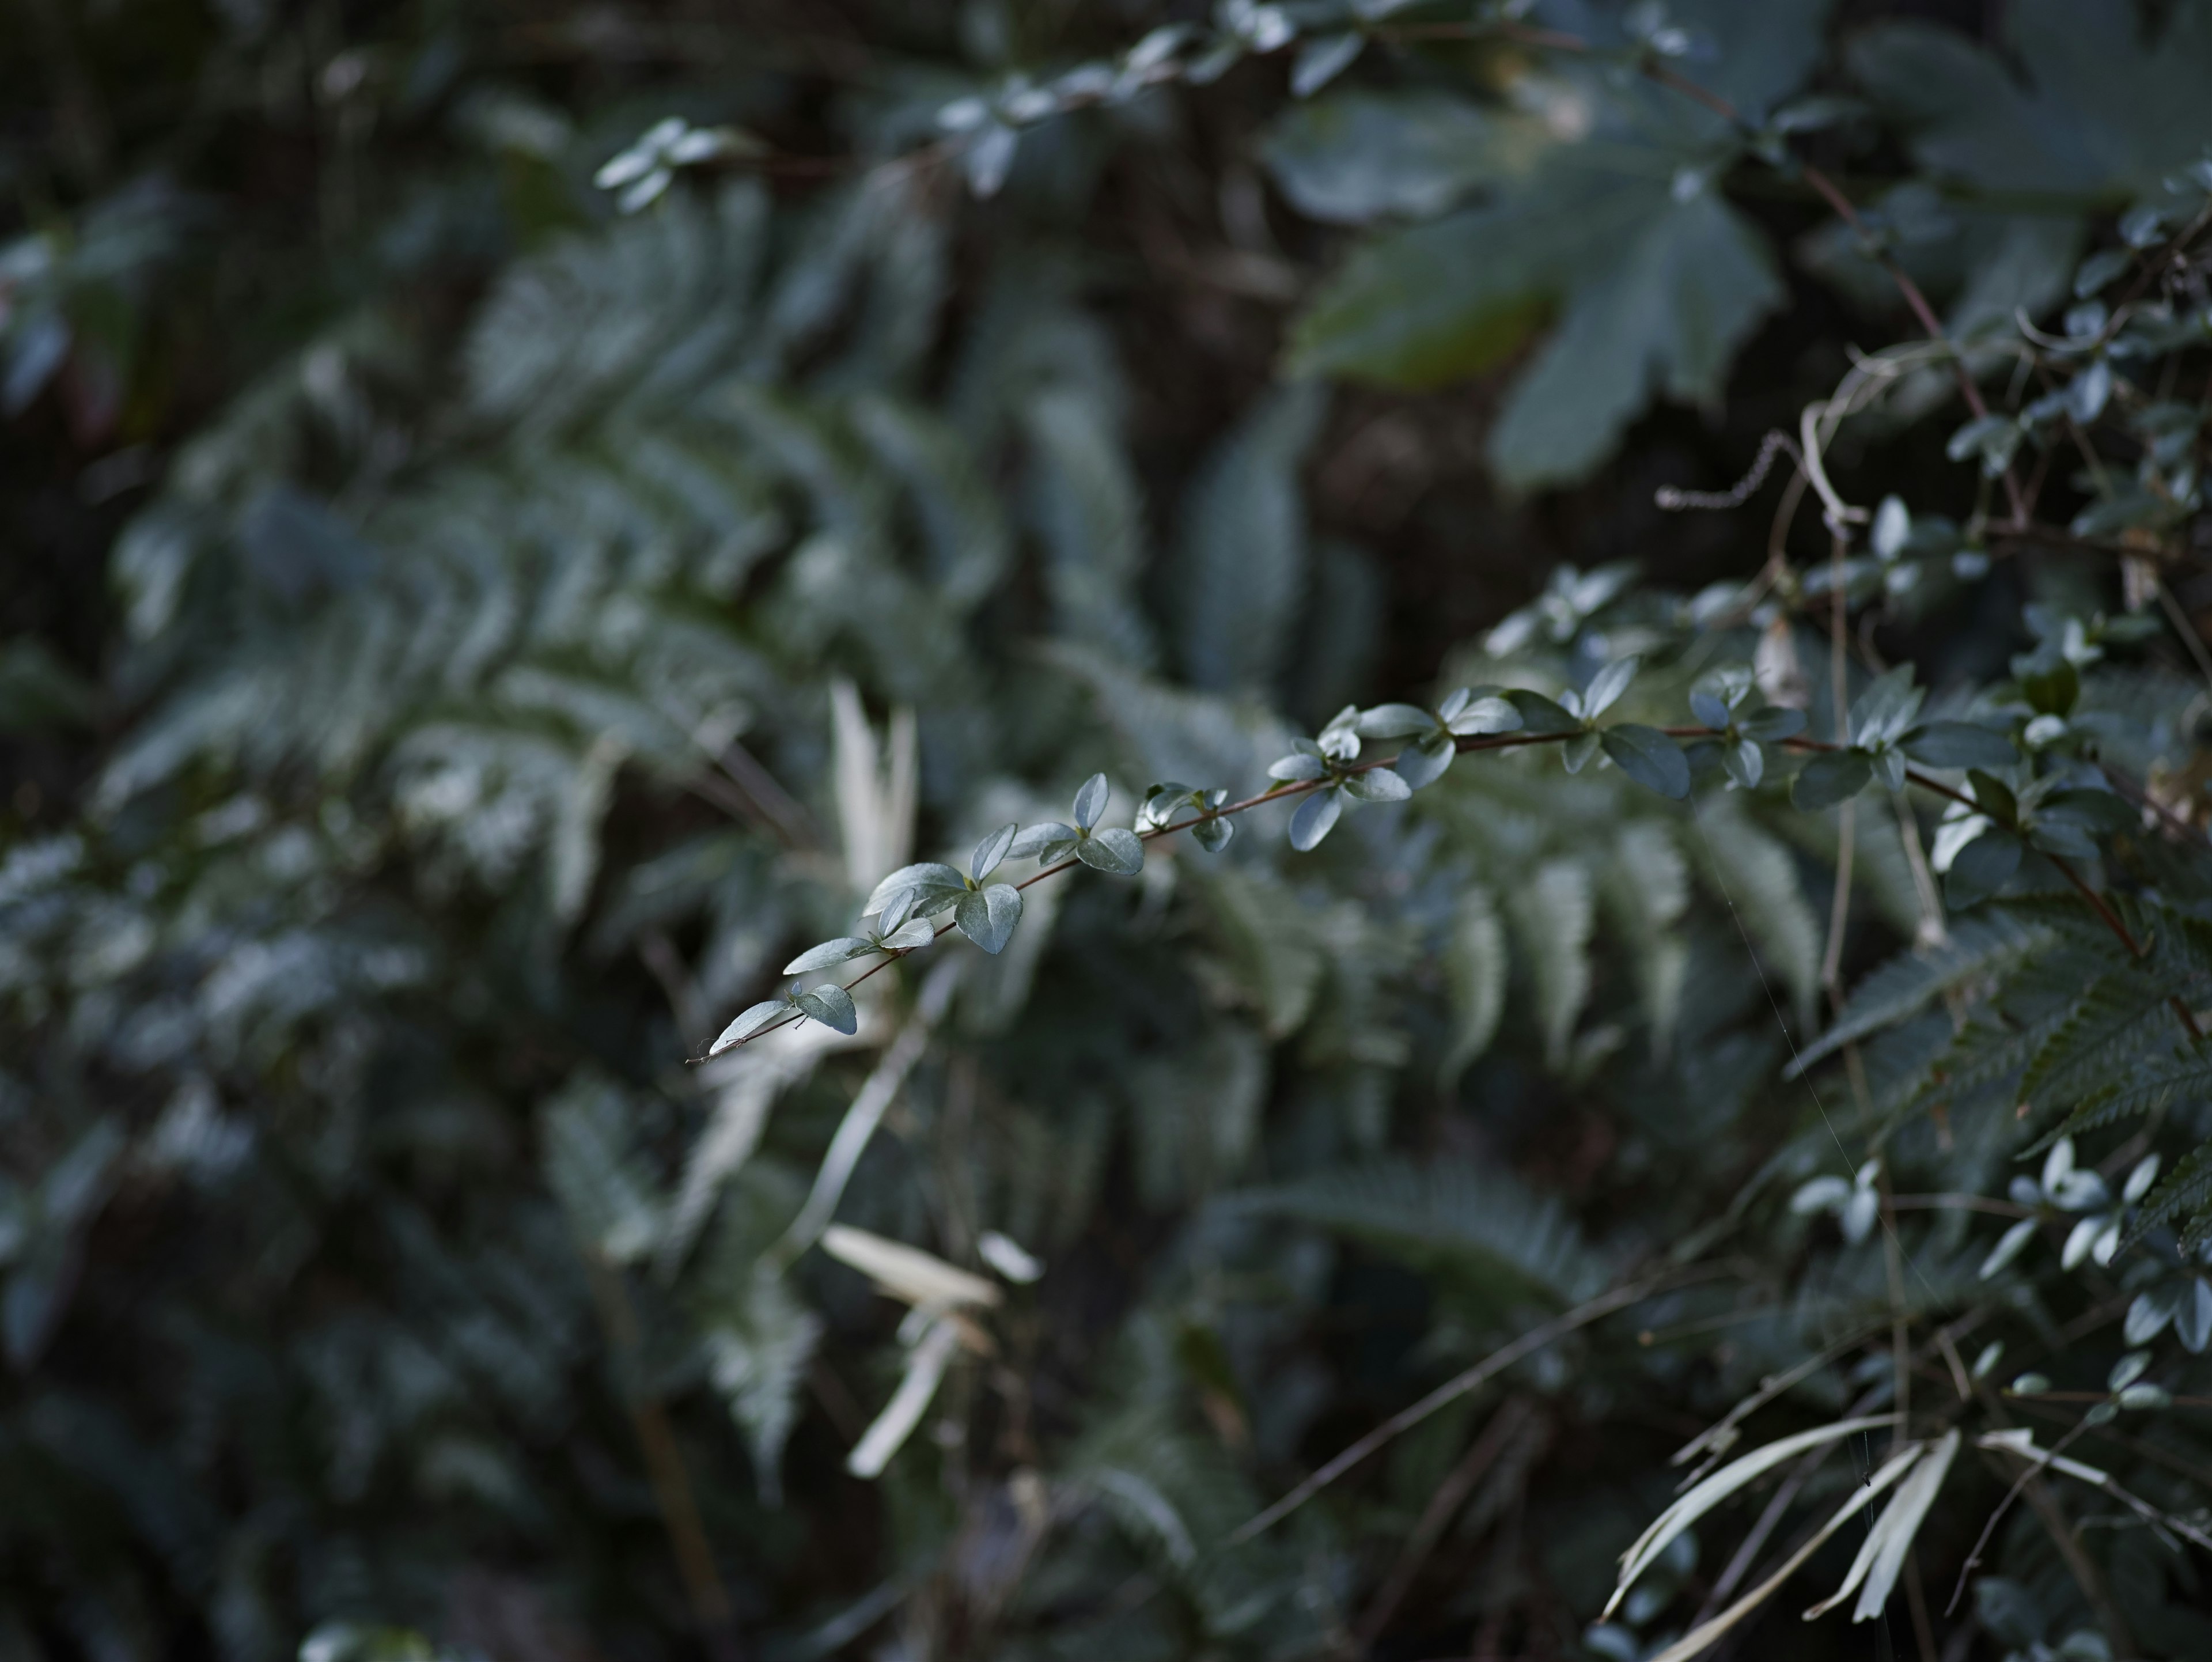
{"x": 457, "y": 640}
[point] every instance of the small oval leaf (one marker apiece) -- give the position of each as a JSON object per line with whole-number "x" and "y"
{"x": 987, "y": 918}
{"x": 1650, "y": 757}
{"x": 843, "y": 949}
{"x": 748, "y": 1023}
{"x": 1314, "y": 819}
{"x": 830, "y": 1005}
{"x": 1091, "y": 801}
{"x": 1115, "y": 851}
{"x": 991, "y": 850}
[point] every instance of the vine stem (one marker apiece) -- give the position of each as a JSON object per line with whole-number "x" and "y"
{"x": 1535, "y": 1339}
{"x": 1283, "y": 793}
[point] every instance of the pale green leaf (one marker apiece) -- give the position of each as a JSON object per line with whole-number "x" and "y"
{"x": 987, "y": 917}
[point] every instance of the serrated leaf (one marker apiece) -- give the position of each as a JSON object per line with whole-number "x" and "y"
{"x": 1314, "y": 817}
{"x": 1359, "y": 155}
{"x": 1657, "y": 289}
{"x": 1830, "y": 777}
{"x": 1243, "y": 560}
{"x": 758, "y": 1347}
{"x": 843, "y": 950}
{"x": 1648, "y": 757}
{"x": 991, "y": 850}
{"x": 1087, "y": 506}
{"x": 1646, "y": 890}
{"x": 2108, "y": 109}
{"x": 592, "y": 1168}
{"x": 831, "y": 1006}
{"x": 987, "y": 917}
{"x": 1750, "y": 871}
{"x": 1977, "y": 949}
{"x": 1474, "y": 971}
{"x": 1091, "y": 801}
{"x": 749, "y": 1022}
{"x": 1476, "y": 1219}
{"x": 1113, "y": 850}
{"x": 2185, "y": 1196}
{"x": 1959, "y": 745}
{"x": 1554, "y": 917}
{"x": 2118, "y": 1017}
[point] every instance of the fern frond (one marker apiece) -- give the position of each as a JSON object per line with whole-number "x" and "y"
{"x": 1553, "y": 915}
{"x": 1646, "y": 890}
{"x": 1084, "y": 502}
{"x": 591, "y": 1167}
{"x": 1197, "y": 1115}
{"x": 2119, "y": 1016}
{"x": 1983, "y": 948}
{"x": 759, "y": 1342}
{"x": 1446, "y": 1213}
{"x": 1474, "y": 958}
{"x": 2183, "y": 1197}
{"x": 1751, "y": 871}
{"x": 1242, "y": 554}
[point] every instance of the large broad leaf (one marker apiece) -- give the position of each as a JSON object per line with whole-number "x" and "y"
{"x": 1689, "y": 284}
{"x": 1657, "y": 280}
{"x": 2105, "y": 116}
{"x": 2107, "y": 111}
{"x": 1361, "y": 154}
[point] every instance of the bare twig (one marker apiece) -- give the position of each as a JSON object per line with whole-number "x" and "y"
{"x": 1452, "y": 1390}
{"x": 663, "y": 1465}
{"x": 1513, "y": 1420}
{"x": 1283, "y": 793}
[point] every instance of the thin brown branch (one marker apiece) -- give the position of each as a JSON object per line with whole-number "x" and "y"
{"x": 1487, "y": 742}
{"x": 1452, "y": 1390}
{"x": 1511, "y": 1420}
{"x": 1996, "y": 1208}
{"x": 2053, "y": 536}
{"x": 2100, "y": 1397}
{"x": 664, "y": 1463}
